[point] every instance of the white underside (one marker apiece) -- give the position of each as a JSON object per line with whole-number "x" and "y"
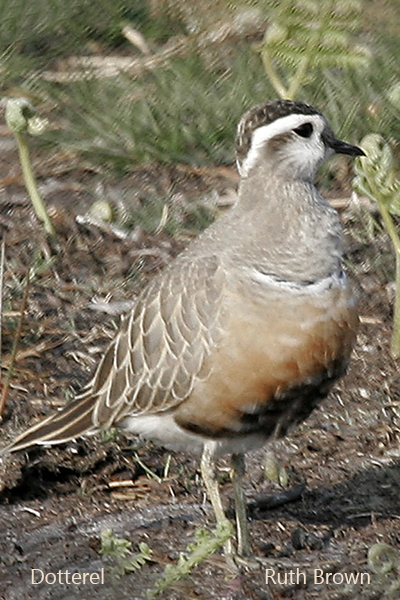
{"x": 163, "y": 430}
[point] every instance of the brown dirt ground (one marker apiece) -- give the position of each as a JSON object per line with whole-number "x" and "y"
{"x": 343, "y": 463}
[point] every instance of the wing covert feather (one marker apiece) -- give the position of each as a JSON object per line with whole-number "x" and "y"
{"x": 160, "y": 348}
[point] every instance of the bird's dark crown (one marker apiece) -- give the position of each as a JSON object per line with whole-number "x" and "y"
{"x": 263, "y": 114}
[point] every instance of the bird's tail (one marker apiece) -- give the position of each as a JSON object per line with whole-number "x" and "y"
{"x": 70, "y": 422}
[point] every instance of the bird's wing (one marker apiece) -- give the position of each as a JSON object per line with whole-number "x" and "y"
{"x": 161, "y": 347}
{"x": 155, "y": 358}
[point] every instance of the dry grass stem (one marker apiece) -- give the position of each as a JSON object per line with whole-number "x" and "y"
{"x": 77, "y": 68}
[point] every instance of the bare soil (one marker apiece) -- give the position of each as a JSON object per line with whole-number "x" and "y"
{"x": 343, "y": 463}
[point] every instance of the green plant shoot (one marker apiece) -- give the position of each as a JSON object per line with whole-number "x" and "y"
{"x": 306, "y": 34}
{"x": 22, "y": 119}
{"x": 384, "y": 562}
{"x": 119, "y": 550}
{"x": 376, "y": 178}
{"x": 205, "y": 545}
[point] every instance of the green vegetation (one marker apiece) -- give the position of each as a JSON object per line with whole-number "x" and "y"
{"x": 205, "y": 545}
{"x": 384, "y": 562}
{"x": 304, "y": 36}
{"x": 123, "y": 560}
{"x": 22, "y": 120}
{"x": 118, "y": 551}
{"x": 33, "y": 36}
{"x": 181, "y": 113}
{"x": 376, "y": 178}
{"x": 178, "y": 98}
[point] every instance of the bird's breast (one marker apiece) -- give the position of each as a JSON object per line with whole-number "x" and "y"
{"x": 279, "y": 352}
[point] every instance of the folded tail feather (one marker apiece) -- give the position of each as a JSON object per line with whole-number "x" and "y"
{"x": 70, "y": 422}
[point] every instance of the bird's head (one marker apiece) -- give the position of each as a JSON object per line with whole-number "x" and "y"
{"x": 291, "y": 139}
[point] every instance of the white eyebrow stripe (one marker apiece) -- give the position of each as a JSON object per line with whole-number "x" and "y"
{"x": 262, "y": 134}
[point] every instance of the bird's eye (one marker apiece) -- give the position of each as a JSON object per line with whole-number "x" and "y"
{"x": 304, "y": 130}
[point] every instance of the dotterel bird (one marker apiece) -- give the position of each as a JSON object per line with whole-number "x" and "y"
{"x": 247, "y": 330}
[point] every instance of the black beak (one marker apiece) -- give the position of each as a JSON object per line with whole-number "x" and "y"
{"x": 344, "y": 148}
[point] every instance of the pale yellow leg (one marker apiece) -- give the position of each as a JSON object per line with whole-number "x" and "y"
{"x": 208, "y": 474}
{"x": 237, "y": 474}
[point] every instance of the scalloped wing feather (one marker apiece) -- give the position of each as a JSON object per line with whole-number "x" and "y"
{"x": 160, "y": 349}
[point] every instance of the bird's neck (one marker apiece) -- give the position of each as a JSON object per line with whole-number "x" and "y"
{"x": 290, "y": 228}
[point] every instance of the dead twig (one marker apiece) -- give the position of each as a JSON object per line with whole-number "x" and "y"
{"x": 135, "y": 38}
{"x": 16, "y": 340}
{"x": 35, "y": 350}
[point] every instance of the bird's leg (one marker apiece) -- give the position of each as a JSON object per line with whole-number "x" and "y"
{"x": 237, "y": 474}
{"x": 208, "y": 474}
